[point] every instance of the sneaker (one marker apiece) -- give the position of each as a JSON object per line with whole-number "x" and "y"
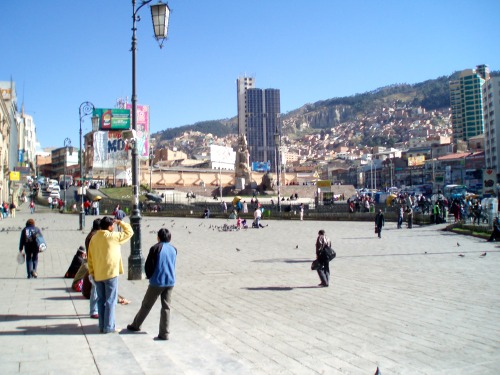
{"x": 94, "y": 316}
{"x": 34, "y": 274}
{"x": 112, "y": 331}
{"x": 130, "y": 327}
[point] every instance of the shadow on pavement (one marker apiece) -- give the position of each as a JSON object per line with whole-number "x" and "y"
{"x": 276, "y": 260}
{"x": 57, "y": 329}
{"x": 12, "y": 318}
{"x": 281, "y": 288}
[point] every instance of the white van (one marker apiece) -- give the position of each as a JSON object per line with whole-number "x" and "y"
{"x": 51, "y": 185}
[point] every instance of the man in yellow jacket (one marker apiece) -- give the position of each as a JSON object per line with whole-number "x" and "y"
{"x": 105, "y": 264}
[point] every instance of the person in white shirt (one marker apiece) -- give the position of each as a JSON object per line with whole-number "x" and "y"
{"x": 257, "y": 215}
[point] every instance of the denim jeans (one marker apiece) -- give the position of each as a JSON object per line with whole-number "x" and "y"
{"x": 31, "y": 261}
{"x": 107, "y": 293}
{"x": 93, "y": 299}
{"x": 324, "y": 273}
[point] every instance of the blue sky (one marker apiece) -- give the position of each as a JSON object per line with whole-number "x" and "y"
{"x": 62, "y": 53}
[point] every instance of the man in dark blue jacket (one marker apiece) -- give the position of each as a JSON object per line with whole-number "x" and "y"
{"x": 160, "y": 270}
{"x": 31, "y": 248}
{"x": 379, "y": 223}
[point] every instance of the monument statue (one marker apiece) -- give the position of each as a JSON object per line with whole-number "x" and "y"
{"x": 267, "y": 182}
{"x": 242, "y": 167}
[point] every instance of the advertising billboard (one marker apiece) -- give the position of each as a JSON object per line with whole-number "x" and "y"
{"x": 414, "y": 161}
{"x": 113, "y": 119}
{"x": 142, "y": 130}
{"x": 261, "y": 166}
{"x": 324, "y": 186}
{"x": 110, "y": 150}
{"x": 222, "y": 157}
{"x": 14, "y": 176}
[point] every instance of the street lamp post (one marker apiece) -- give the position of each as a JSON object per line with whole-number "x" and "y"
{"x": 151, "y": 156}
{"x": 277, "y": 143}
{"x": 67, "y": 144}
{"x": 86, "y": 109}
{"x": 160, "y": 14}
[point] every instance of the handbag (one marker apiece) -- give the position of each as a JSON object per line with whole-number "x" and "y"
{"x": 315, "y": 265}
{"x": 20, "y": 258}
{"x": 376, "y": 229}
{"x": 42, "y": 246}
{"x": 327, "y": 253}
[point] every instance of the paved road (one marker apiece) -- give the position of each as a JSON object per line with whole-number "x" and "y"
{"x": 407, "y": 303}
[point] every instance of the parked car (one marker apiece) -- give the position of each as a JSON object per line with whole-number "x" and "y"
{"x": 55, "y": 194}
{"x": 51, "y": 185}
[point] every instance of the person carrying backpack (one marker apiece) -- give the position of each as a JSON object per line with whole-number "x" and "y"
{"x": 30, "y": 246}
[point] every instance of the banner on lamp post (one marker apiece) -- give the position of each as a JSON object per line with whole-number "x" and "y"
{"x": 489, "y": 182}
{"x": 142, "y": 130}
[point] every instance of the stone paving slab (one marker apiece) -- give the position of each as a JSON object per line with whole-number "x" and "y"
{"x": 246, "y": 302}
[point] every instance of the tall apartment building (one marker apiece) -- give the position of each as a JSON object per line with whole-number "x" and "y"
{"x": 259, "y": 119}
{"x": 242, "y": 84}
{"x": 27, "y": 140}
{"x": 491, "y": 109}
{"x": 262, "y": 124}
{"x": 467, "y": 103}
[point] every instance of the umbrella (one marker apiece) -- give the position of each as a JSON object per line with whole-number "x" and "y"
{"x": 98, "y": 198}
{"x": 236, "y": 200}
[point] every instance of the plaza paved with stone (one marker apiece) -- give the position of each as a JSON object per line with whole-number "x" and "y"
{"x": 246, "y": 302}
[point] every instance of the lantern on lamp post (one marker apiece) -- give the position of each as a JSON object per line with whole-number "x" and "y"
{"x": 277, "y": 143}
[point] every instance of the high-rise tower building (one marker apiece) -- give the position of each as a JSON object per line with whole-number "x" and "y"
{"x": 262, "y": 124}
{"x": 259, "y": 119}
{"x": 242, "y": 84}
{"x": 491, "y": 109}
{"x": 467, "y": 103}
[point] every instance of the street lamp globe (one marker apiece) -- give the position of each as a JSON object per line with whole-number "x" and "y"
{"x": 160, "y": 14}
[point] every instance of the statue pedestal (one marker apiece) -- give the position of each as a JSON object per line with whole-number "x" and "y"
{"x": 240, "y": 183}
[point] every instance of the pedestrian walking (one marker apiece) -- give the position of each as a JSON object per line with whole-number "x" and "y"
{"x": 160, "y": 270}
{"x": 400, "y": 216}
{"x": 409, "y": 212}
{"x": 29, "y": 243}
{"x": 12, "y": 208}
{"x": 379, "y": 223}
{"x": 323, "y": 264}
{"x": 105, "y": 264}
{"x": 119, "y": 214}
{"x": 301, "y": 211}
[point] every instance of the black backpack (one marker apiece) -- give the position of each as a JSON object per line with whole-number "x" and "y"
{"x": 30, "y": 234}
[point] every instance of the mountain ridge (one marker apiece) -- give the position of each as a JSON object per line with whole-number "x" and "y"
{"x": 431, "y": 94}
